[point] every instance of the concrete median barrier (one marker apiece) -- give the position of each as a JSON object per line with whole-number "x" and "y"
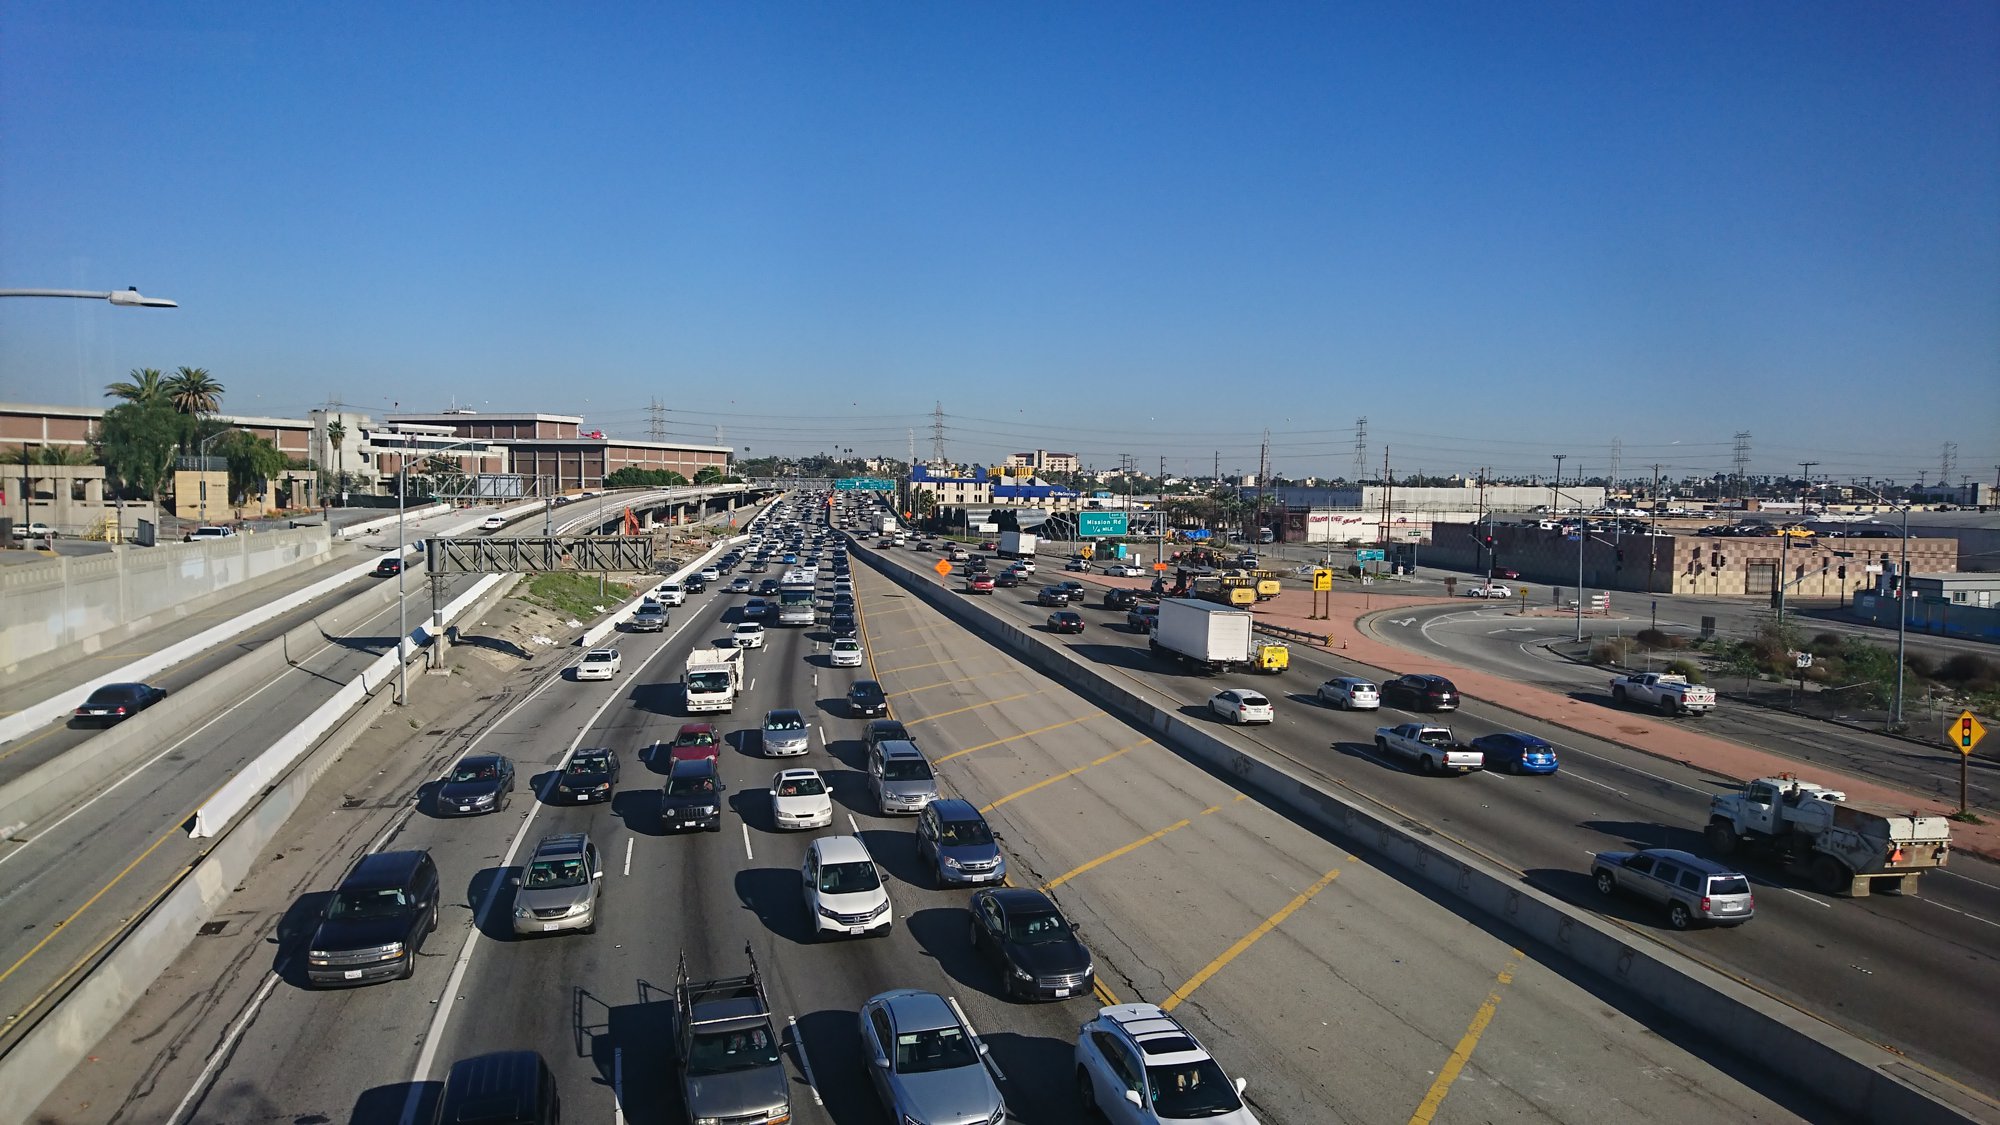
{"x": 1845, "y": 1071}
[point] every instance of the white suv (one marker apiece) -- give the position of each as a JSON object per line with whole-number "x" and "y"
{"x": 843, "y": 888}
{"x": 670, "y": 593}
{"x": 1136, "y": 1063}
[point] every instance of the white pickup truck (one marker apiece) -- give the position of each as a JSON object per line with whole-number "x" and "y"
{"x": 1666, "y": 693}
{"x": 1431, "y": 748}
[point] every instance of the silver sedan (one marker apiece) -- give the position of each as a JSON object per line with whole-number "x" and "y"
{"x": 926, "y": 1063}
{"x": 785, "y": 734}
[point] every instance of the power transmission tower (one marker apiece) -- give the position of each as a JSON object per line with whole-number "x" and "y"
{"x": 1360, "y": 450}
{"x": 1215, "y": 474}
{"x": 656, "y": 420}
{"x": 1617, "y": 453}
{"x": 1947, "y": 463}
{"x": 1263, "y": 475}
{"x": 1742, "y": 460}
{"x": 913, "y": 447}
{"x": 937, "y": 433}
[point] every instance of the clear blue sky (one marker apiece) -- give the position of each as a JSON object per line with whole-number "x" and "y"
{"x": 1499, "y": 231}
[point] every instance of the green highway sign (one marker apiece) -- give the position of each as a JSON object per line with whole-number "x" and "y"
{"x": 864, "y": 484}
{"x": 1369, "y": 554}
{"x": 1092, "y": 524}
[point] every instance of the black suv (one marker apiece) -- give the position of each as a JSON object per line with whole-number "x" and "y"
{"x": 592, "y": 776}
{"x": 504, "y": 1088}
{"x": 865, "y": 698}
{"x": 1120, "y": 598}
{"x": 376, "y": 921}
{"x": 693, "y": 796}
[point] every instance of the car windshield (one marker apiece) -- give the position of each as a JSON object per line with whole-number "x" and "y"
{"x": 596, "y": 658}
{"x": 696, "y": 738}
{"x": 963, "y": 833}
{"x": 848, "y": 878}
{"x": 801, "y": 787}
{"x": 1196, "y": 1089}
{"x": 545, "y": 873}
{"x": 381, "y": 902}
{"x": 1728, "y": 885}
{"x": 847, "y": 646}
{"x": 725, "y": 1051}
{"x": 784, "y": 722}
{"x": 1039, "y": 928}
{"x": 111, "y": 695}
{"x": 482, "y": 771}
{"x": 581, "y": 767}
{"x": 697, "y": 786}
{"x": 707, "y": 681}
{"x": 864, "y": 690}
{"x": 941, "y": 1048}
{"x": 906, "y": 769}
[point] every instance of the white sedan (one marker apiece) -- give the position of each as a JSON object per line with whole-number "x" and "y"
{"x": 749, "y": 634}
{"x": 598, "y": 664}
{"x": 1124, "y": 570}
{"x": 799, "y": 799}
{"x": 1491, "y": 590}
{"x": 1241, "y": 706}
{"x": 846, "y": 653}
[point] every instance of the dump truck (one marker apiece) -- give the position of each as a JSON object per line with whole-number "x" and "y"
{"x": 1432, "y": 749}
{"x": 1263, "y": 582}
{"x": 714, "y": 675}
{"x": 1664, "y": 692}
{"x": 731, "y": 1063}
{"x": 1844, "y": 848}
{"x": 1202, "y": 636}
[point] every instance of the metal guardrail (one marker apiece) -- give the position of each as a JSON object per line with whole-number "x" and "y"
{"x": 1291, "y": 634}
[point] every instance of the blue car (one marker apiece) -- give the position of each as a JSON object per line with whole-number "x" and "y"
{"x": 955, "y": 842}
{"x": 1516, "y": 752}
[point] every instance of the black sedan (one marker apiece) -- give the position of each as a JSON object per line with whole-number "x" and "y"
{"x": 114, "y": 703}
{"x": 1007, "y": 578}
{"x": 842, "y": 623}
{"x": 1120, "y": 598}
{"x": 478, "y": 784}
{"x": 768, "y": 587}
{"x": 1052, "y": 595}
{"x": 1032, "y": 944}
{"x": 1065, "y": 621}
{"x": 1418, "y": 692}
{"x": 592, "y": 776}
{"x": 866, "y": 698}
{"x": 879, "y": 731}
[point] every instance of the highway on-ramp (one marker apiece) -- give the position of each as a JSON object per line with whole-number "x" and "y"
{"x": 1341, "y": 994}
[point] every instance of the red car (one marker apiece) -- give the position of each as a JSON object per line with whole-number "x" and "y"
{"x": 1067, "y": 621}
{"x": 1505, "y": 572}
{"x": 989, "y": 545}
{"x": 979, "y": 584}
{"x": 695, "y": 742}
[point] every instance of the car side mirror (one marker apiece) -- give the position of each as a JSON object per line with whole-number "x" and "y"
{"x": 513, "y": 880}
{"x": 774, "y": 792}
{"x": 1240, "y": 1084}
{"x": 597, "y": 874}
{"x": 882, "y": 1061}
{"x": 1133, "y": 1097}
{"x": 984, "y": 1049}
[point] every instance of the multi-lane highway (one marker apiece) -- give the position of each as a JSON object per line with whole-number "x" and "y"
{"x": 1490, "y": 639}
{"x": 73, "y": 880}
{"x": 1340, "y": 993}
{"x": 1893, "y": 970}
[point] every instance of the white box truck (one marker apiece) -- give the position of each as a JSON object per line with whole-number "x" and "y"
{"x": 1017, "y": 545}
{"x": 714, "y": 675}
{"x": 1203, "y": 636}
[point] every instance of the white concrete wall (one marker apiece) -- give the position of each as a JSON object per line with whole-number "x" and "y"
{"x": 79, "y": 605}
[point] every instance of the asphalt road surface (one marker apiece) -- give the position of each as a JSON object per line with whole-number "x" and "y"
{"x": 1339, "y": 992}
{"x": 1893, "y": 970}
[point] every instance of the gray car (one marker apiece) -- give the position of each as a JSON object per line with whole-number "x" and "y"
{"x": 558, "y": 887}
{"x": 900, "y": 778}
{"x": 925, "y": 1062}
{"x": 651, "y": 617}
{"x": 1694, "y": 890}
{"x": 785, "y": 733}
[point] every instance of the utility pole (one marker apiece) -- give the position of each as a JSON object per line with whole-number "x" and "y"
{"x": 1556, "y": 484}
{"x": 1652, "y": 556}
{"x": 1263, "y": 477}
{"x": 1388, "y": 496}
{"x": 1485, "y": 517}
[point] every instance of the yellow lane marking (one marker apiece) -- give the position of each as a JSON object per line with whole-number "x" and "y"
{"x": 87, "y": 904}
{"x": 1246, "y": 941}
{"x": 1012, "y": 737}
{"x": 940, "y": 683}
{"x": 1048, "y": 781}
{"x": 915, "y": 667}
{"x": 1135, "y": 845}
{"x": 1462, "y": 1053}
{"x": 25, "y": 743}
{"x": 971, "y": 707}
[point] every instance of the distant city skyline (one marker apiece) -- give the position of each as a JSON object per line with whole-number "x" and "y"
{"x": 1499, "y": 234}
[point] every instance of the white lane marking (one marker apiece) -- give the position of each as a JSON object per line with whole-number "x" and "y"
{"x": 1807, "y": 897}
{"x": 805, "y": 1064}
{"x": 1634, "y": 769}
{"x": 753, "y": 684}
{"x": 224, "y": 1049}
{"x": 747, "y": 853}
{"x": 984, "y": 1056}
{"x": 435, "y": 1032}
{"x": 1967, "y": 878}
{"x": 1956, "y": 910}
{"x": 1588, "y": 781}
{"x": 851, "y": 824}
{"x": 618, "y": 1086}
{"x": 628, "y": 856}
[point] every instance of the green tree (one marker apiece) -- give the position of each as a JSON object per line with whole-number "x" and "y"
{"x": 63, "y": 455}
{"x": 193, "y": 391}
{"x": 631, "y": 476}
{"x": 253, "y": 462}
{"x": 708, "y": 474}
{"x": 146, "y": 385}
{"x": 138, "y": 440}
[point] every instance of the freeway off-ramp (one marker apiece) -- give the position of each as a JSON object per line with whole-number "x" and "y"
{"x": 1339, "y": 992}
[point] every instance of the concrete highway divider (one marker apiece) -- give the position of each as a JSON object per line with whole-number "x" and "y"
{"x": 1845, "y": 1071}
{"x": 370, "y": 527}
{"x": 65, "y": 1034}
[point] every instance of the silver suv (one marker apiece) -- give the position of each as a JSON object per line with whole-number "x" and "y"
{"x": 1694, "y": 890}
{"x": 558, "y": 887}
{"x": 900, "y": 778}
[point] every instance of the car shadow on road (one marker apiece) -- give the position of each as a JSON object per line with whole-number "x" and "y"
{"x": 747, "y": 742}
{"x": 775, "y": 896}
{"x": 658, "y": 698}
{"x": 1644, "y": 834}
{"x": 829, "y": 1038}
{"x": 639, "y": 809}
{"x": 629, "y": 1047}
{"x": 1037, "y": 1068}
{"x": 942, "y": 933}
{"x": 427, "y": 798}
{"x": 895, "y": 851}
{"x": 1123, "y": 656}
{"x": 294, "y": 933}
{"x": 494, "y": 919}
{"x": 657, "y": 757}
{"x": 1578, "y": 888}
{"x": 384, "y": 1105}
{"x": 752, "y": 804}
{"x": 493, "y": 644}
{"x": 1367, "y": 752}
{"x": 849, "y": 788}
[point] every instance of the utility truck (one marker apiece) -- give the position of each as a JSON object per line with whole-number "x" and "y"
{"x": 731, "y": 1062}
{"x": 1432, "y": 749}
{"x": 1202, "y": 636}
{"x": 1843, "y": 847}
{"x": 1663, "y": 692}
{"x": 714, "y": 676}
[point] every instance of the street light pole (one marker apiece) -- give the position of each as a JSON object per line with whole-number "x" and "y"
{"x": 128, "y": 298}
{"x": 1902, "y": 620}
{"x": 201, "y": 455}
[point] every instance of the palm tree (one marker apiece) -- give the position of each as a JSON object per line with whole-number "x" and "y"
{"x": 193, "y": 391}
{"x": 336, "y": 433}
{"x": 146, "y": 386}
